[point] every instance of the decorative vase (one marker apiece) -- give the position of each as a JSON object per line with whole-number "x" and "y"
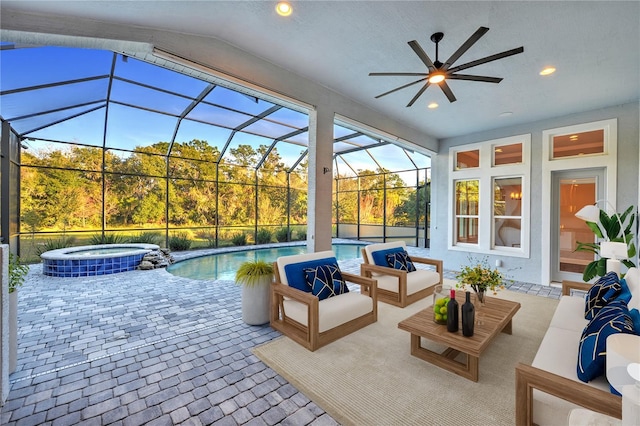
{"x": 468, "y": 316}
{"x": 255, "y": 301}
{"x": 440, "y": 300}
{"x": 480, "y": 293}
{"x": 452, "y": 313}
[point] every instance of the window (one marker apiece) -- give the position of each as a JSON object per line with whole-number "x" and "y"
{"x": 507, "y": 212}
{"x": 467, "y": 197}
{"x": 507, "y": 154}
{"x": 489, "y": 206}
{"x": 467, "y": 159}
{"x": 578, "y": 144}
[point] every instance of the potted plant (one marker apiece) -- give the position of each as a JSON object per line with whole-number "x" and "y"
{"x": 255, "y": 277}
{"x": 480, "y": 277}
{"x": 17, "y": 273}
{"x": 610, "y": 230}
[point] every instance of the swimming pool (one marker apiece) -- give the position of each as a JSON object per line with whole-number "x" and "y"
{"x": 86, "y": 261}
{"x": 223, "y": 266}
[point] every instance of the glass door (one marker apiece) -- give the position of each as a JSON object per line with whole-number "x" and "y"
{"x": 572, "y": 190}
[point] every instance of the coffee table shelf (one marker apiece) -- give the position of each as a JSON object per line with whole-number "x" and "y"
{"x": 491, "y": 319}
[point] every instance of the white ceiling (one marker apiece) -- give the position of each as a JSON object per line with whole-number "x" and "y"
{"x": 595, "y": 47}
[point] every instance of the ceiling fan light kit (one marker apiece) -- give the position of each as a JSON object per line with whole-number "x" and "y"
{"x": 439, "y": 72}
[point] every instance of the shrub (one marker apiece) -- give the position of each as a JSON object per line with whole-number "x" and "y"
{"x": 17, "y": 272}
{"x": 51, "y": 244}
{"x": 263, "y": 236}
{"x": 209, "y": 236}
{"x": 97, "y": 239}
{"x": 179, "y": 242}
{"x": 147, "y": 238}
{"x": 301, "y": 234}
{"x": 239, "y": 239}
{"x": 283, "y": 235}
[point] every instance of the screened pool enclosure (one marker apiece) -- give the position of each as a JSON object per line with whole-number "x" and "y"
{"x": 99, "y": 146}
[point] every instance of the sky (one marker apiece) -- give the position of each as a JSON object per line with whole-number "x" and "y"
{"x": 140, "y": 115}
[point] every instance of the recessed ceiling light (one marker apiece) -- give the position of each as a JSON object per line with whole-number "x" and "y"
{"x": 432, "y": 105}
{"x": 506, "y": 114}
{"x": 573, "y": 137}
{"x": 283, "y": 8}
{"x": 547, "y": 71}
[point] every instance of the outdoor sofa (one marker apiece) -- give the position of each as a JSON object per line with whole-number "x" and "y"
{"x": 548, "y": 390}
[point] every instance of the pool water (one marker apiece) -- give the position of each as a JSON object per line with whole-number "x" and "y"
{"x": 93, "y": 252}
{"x": 223, "y": 266}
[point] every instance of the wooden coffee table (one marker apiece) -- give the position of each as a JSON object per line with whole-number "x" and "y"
{"x": 495, "y": 317}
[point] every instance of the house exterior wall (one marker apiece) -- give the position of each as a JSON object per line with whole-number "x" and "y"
{"x": 529, "y": 269}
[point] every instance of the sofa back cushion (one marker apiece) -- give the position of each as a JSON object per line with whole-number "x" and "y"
{"x": 611, "y": 319}
{"x": 606, "y": 289}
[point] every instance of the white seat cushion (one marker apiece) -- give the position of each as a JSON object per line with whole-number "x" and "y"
{"x": 569, "y": 314}
{"x": 416, "y": 281}
{"x": 333, "y": 311}
{"x": 558, "y": 354}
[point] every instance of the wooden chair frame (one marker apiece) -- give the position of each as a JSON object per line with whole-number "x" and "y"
{"x": 309, "y": 336}
{"x": 529, "y": 378}
{"x": 401, "y": 299}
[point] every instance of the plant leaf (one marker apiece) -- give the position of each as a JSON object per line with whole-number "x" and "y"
{"x": 590, "y": 271}
{"x": 589, "y": 247}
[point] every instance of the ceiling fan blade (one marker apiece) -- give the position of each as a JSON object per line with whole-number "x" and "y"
{"x": 487, "y": 59}
{"x": 465, "y": 46}
{"x": 420, "y": 92}
{"x": 399, "y": 88}
{"x": 447, "y": 91}
{"x": 397, "y": 73}
{"x": 474, "y": 78}
{"x": 422, "y": 55}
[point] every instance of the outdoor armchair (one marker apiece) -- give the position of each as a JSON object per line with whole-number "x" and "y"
{"x": 399, "y": 287}
{"x": 300, "y": 315}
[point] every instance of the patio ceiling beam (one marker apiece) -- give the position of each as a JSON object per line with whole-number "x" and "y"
{"x": 258, "y": 117}
{"x": 361, "y": 148}
{"x": 51, "y": 111}
{"x": 48, "y": 85}
{"x": 298, "y": 161}
{"x": 186, "y": 112}
{"x": 275, "y": 141}
{"x": 60, "y": 121}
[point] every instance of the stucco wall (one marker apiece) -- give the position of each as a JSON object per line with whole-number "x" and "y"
{"x": 528, "y": 270}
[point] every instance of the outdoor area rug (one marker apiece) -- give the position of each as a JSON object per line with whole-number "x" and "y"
{"x": 369, "y": 377}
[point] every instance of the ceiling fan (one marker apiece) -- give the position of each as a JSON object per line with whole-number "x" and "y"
{"x": 438, "y": 72}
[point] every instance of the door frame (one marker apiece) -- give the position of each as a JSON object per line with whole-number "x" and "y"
{"x": 556, "y": 176}
{"x": 607, "y": 161}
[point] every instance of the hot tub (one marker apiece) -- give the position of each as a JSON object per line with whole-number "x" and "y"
{"x": 84, "y": 261}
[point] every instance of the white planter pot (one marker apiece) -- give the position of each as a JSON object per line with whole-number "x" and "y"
{"x": 13, "y": 331}
{"x": 255, "y": 302}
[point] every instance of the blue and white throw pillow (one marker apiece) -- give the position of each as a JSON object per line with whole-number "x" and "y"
{"x": 400, "y": 260}
{"x": 612, "y": 318}
{"x": 325, "y": 280}
{"x": 607, "y": 288}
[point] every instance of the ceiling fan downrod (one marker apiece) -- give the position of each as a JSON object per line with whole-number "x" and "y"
{"x": 436, "y": 38}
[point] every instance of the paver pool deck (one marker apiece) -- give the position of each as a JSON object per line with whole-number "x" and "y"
{"x": 148, "y": 347}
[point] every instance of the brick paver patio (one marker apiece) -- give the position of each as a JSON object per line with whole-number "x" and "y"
{"x": 147, "y": 347}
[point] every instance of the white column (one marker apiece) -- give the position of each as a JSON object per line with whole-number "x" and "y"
{"x": 319, "y": 203}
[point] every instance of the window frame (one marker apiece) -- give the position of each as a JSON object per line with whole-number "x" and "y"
{"x": 486, "y": 174}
